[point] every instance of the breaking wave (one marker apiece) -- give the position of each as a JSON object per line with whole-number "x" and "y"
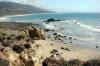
{"x": 4, "y": 19}
{"x": 88, "y": 27}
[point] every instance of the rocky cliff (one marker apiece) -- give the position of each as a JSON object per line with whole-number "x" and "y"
{"x": 18, "y": 47}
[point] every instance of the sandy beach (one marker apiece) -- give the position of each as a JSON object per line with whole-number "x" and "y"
{"x": 75, "y": 52}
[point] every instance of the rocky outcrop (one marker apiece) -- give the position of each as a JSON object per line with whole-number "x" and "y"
{"x": 34, "y": 33}
{"x": 18, "y": 47}
{"x": 19, "y": 53}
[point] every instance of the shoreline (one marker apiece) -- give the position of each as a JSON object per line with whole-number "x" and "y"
{"x": 39, "y": 48}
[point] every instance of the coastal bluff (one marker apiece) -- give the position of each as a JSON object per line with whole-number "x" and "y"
{"x": 18, "y": 46}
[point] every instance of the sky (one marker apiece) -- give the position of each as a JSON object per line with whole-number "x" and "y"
{"x": 64, "y": 5}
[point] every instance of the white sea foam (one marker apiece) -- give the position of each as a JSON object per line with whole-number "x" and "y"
{"x": 48, "y": 26}
{"x": 4, "y": 19}
{"x": 88, "y": 27}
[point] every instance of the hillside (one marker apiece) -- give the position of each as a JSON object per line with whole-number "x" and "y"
{"x": 11, "y": 8}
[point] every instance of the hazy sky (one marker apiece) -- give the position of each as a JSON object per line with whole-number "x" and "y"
{"x": 64, "y": 5}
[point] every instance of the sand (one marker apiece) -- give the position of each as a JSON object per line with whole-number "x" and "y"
{"x": 75, "y": 52}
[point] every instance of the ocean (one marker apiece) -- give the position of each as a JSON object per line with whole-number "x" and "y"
{"x": 83, "y": 26}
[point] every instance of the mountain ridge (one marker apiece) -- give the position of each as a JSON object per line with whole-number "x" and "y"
{"x": 12, "y": 8}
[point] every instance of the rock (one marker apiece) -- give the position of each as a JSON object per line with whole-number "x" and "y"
{"x": 97, "y": 46}
{"x": 35, "y": 33}
{"x": 19, "y": 37}
{"x": 71, "y": 42}
{"x": 55, "y": 34}
{"x": 51, "y": 62}
{"x": 17, "y": 48}
{"x": 67, "y": 49}
{"x": 9, "y": 38}
{"x": 29, "y": 63}
{"x": 62, "y": 47}
{"x": 51, "y": 20}
{"x": 70, "y": 38}
{"x": 53, "y": 51}
{"x": 27, "y": 46}
{"x": 46, "y": 30}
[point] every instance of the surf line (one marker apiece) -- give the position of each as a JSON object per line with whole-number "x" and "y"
{"x": 88, "y": 27}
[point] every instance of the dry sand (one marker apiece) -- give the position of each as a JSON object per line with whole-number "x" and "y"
{"x": 82, "y": 54}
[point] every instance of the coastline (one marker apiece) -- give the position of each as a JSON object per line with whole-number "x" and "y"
{"x": 41, "y": 48}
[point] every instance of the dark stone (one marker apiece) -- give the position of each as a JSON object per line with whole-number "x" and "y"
{"x": 55, "y": 34}
{"x": 62, "y": 47}
{"x": 29, "y": 63}
{"x": 2, "y": 49}
{"x": 70, "y": 38}
{"x": 27, "y": 40}
{"x": 53, "y": 51}
{"x": 46, "y": 30}
{"x": 9, "y": 38}
{"x": 51, "y": 20}
{"x": 27, "y": 46}
{"x": 97, "y": 46}
{"x": 71, "y": 42}
{"x": 18, "y": 49}
{"x": 19, "y": 37}
{"x": 51, "y": 62}
{"x": 67, "y": 49}
{"x": 44, "y": 64}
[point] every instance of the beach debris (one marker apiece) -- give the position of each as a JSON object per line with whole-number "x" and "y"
{"x": 17, "y": 48}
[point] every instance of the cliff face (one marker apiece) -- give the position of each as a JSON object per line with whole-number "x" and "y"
{"x": 18, "y": 47}
{"x": 11, "y": 8}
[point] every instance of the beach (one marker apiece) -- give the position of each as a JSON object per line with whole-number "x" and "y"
{"x": 75, "y": 52}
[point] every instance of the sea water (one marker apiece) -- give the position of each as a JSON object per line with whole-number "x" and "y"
{"x": 83, "y": 26}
